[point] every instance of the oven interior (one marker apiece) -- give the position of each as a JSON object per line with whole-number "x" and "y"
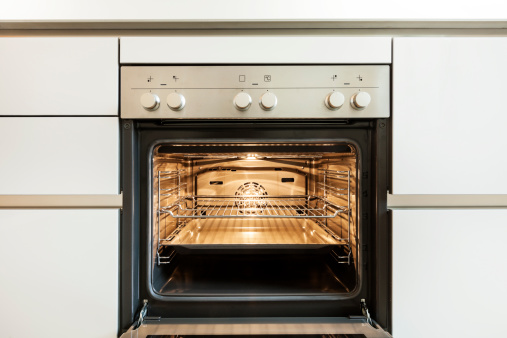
{"x": 255, "y": 219}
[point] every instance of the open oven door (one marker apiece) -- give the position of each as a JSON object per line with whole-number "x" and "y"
{"x": 274, "y": 327}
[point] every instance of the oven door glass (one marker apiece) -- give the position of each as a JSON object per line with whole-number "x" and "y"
{"x": 353, "y": 327}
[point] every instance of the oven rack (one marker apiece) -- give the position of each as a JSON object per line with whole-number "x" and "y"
{"x": 281, "y": 222}
{"x": 293, "y": 206}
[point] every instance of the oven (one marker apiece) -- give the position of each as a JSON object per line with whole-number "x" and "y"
{"x": 254, "y": 201}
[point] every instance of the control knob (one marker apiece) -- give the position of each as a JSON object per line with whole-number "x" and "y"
{"x": 360, "y": 100}
{"x": 242, "y": 101}
{"x": 175, "y": 101}
{"x": 268, "y": 101}
{"x": 335, "y": 100}
{"x": 150, "y": 101}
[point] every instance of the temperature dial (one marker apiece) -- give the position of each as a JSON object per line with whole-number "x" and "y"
{"x": 360, "y": 100}
{"x": 242, "y": 101}
{"x": 150, "y": 101}
{"x": 175, "y": 101}
{"x": 268, "y": 101}
{"x": 335, "y": 100}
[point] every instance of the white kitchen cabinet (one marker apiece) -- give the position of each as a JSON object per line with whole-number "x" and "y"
{"x": 449, "y": 275}
{"x": 58, "y": 76}
{"x": 59, "y": 273}
{"x": 59, "y": 155}
{"x": 449, "y": 119}
{"x": 231, "y": 50}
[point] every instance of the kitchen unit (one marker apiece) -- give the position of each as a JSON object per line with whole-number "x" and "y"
{"x": 443, "y": 125}
{"x": 251, "y": 191}
{"x": 443, "y": 130}
{"x": 59, "y": 186}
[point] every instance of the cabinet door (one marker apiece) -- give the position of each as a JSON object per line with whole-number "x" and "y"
{"x": 59, "y": 273}
{"x": 448, "y": 116}
{"x": 449, "y": 275}
{"x": 59, "y": 155}
{"x": 58, "y": 76}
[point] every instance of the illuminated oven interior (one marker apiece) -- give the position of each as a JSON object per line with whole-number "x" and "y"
{"x": 254, "y": 219}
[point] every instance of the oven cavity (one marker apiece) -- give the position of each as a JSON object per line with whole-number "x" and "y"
{"x": 254, "y": 219}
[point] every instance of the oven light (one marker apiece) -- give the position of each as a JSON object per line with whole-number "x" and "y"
{"x": 251, "y": 157}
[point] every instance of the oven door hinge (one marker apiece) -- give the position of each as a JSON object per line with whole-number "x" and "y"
{"x": 142, "y": 315}
{"x": 366, "y": 313}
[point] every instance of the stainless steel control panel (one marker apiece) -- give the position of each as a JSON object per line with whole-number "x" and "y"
{"x": 254, "y": 92}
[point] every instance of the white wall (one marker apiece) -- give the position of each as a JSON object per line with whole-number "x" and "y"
{"x": 250, "y": 9}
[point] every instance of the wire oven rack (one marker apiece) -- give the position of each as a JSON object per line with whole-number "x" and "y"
{"x": 294, "y": 206}
{"x": 182, "y": 208}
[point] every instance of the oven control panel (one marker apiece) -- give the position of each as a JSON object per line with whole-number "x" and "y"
{"x": 255, "y": 92}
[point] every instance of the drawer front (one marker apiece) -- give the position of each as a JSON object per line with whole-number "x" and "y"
{"x": 57, "y": 155}
{"x": 448, "y": 115}
{"x": 59, "y": 273}
{"x": 449, "y": 273}
{"x": 58, "y": 76}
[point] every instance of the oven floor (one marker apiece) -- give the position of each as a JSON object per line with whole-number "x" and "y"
{"x": 251, "y": 274}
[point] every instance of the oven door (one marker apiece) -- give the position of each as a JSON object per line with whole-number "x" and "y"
{"x": 352, "y": 327}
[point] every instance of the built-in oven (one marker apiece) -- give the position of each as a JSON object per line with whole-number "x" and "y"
{"x": 255, "y": 201}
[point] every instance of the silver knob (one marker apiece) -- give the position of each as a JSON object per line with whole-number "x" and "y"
{"x": 150, "y": 101}
{"x": 360, "y": 100}
{"x": 175, "y": 101}
{"x": 335, "y": 100}
{"x": 242, "y": 101}
{"x": 268, "y": 101}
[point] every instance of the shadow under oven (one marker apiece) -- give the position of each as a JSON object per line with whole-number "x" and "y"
{"x": 255, "y": 227}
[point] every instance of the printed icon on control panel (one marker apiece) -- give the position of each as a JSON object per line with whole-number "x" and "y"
{"x": 150, "y": 78}
{"x": 360, "y": 78}
{"x": 175, "y": 78}
{"x": 334, "y": 77}
{"x": 242, "y": 78}
{"x": 267, "y": 78}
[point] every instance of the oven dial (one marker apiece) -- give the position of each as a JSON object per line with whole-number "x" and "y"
{"x": 150, "y": 101}
{"x": 335, "y": 100}
{"x": 175, "y": 101}
{"x": 360, "y": 100}
{"x": 268, "y": 101}
{"x": 242, "y": 101}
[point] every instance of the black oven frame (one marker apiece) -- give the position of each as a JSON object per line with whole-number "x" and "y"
{"x": 138, "y": 139}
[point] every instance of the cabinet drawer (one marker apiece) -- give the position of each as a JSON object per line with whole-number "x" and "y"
{"x": 59, "y": 155}
{"x": 448, "y": 115}
{"x": 59, "y": 273}
{"x": 449, "y": 273}
{"x": 58, "y": 76}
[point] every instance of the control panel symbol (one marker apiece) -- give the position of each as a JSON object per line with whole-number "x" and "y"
{"x": 360, "y": 78}
{"x": 175, "y": 78}
{"x": 267, "y": 78}
{"x": 242, "y": 78}
{"x": 334, "y": 77}
{"x": 150, "y": 78}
